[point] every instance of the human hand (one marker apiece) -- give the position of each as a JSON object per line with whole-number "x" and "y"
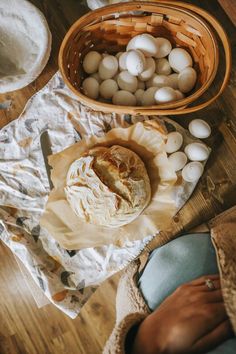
{"x": 191, "y": 320}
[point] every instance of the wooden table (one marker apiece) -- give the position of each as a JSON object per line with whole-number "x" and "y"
{"x": 26, "y": 329}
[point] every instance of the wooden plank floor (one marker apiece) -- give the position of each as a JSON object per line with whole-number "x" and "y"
{"x": 25, "y": 329}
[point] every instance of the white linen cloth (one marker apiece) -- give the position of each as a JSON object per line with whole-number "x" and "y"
{"x": 68, "y": 279}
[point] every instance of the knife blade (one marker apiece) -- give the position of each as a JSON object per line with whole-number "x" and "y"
{"x": 46, "y": 150}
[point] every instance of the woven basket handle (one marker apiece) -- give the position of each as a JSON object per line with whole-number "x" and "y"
{"x": 228, "y": 59}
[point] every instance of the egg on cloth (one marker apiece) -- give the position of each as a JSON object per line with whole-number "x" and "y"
{"x": 174, "y": 142}
{"x": 197, "y": 151}
{"x": 192, "y": 171}
{"x": 199, "y": 128}
{"x": 178, "y": 160}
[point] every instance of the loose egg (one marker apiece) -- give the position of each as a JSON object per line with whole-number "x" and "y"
{"x": 165, "y": 94}
{"x": 91, "y": 87}
{"x": 122, "y": 61}
{"x": 178, "y": 160}
{"x": 192, "y": 171}
{"x": 163, "y": 67}
{"x": 97, "y": 77}
{"x": 157, "y": 81}
{"x": 148, "y": 70}
{"x": 127, "y": 82}
{"x": 124, "y": 98}
{"x": 187, "y": 79}
{"x": 91, "y": 62}
{"x": 108, "y": 88}
{"x": 199, "y": 128}
{"x": 179, "y": 95}
{"x": 179, "y": 59}
{"x": 197, "y": 151}
{"x": 146, "y": 44}
{"x": 108, "y": 67}
{"x": 164, "y": 47}
{"x": 148, "y": 97}
{"x": 173, "y": 81}
{"x": 174, "y": 142}
{"x": 135, "y": 62}
{"x": 141, "y": 85}
{"x": 139, "y": 96}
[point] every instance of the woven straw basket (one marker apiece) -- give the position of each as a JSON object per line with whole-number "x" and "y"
{"x": 110, "y": 28}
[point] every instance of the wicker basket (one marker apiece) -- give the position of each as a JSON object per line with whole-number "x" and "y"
{"x": 110, "y": 28}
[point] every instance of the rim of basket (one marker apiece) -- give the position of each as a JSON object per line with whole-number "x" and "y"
{"x": 109, "y": 107}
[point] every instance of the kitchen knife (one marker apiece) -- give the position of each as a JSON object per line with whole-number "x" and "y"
{"x": 46, "y": 150}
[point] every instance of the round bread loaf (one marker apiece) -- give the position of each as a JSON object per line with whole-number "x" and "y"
{"x": 108, "y": 186}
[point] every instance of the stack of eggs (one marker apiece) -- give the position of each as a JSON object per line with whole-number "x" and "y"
{"x": 195, "y": 152}
{"x": 150, "y": 72}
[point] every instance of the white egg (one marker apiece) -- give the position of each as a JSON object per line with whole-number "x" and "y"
{"x": 91, "y": 87}
{"x": 174, "y": 142}
{"x": 108, "y": 88}
{"x": 178, "y": 160}
{"x": 131, "y": 44}
{"x": 148, "y": 70}
{"x": 148, "y": 97}
{"x": 122, "y": 61}
{"x": 127, "y": 82}
{"x": 135, "y": 62}
{"x": 146, "y": 43}
{"x": 192, "y": 171}
{"x": 163, "y": 67}
{"x": 108, "y": 67}
{"x": 199, "y": 128}
{"x": 91, "y": 62}
{"x": 179, "y": 95}
{"x": 179, "y": 59}
{"x": 187, "y": 79}
{"x": 158, "y": 81}
{"x": 197, "y": 151}
{"x": 141, "y": 85}
{"x": 97, "y": 77}
{"x": 118, "y": 55}
{"x": 139, "y": 96}
{"x": 173, "y": 81}
{"x": 124, "y": 98}
{"x": 165, "y": 94}
{"x": 164, "y": 47}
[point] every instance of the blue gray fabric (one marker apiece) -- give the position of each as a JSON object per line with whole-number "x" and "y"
{"x": 178, "y": 262}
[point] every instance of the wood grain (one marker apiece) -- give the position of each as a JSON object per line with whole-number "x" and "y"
{"x": 24, "y": 328}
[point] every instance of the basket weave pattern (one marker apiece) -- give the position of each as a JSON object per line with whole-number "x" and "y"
{"x": 109, "y": 30}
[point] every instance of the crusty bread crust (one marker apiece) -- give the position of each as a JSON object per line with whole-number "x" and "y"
{"x": 108, "y": 186}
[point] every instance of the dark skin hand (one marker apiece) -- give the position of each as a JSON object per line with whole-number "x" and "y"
{"x": 191, "y": 320}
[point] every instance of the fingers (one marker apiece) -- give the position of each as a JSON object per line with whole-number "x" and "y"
{"x": 214, "y": 338}
{"x": 201, "y": 280}
{"x": 203, "y": 287}
{"x": 213, "y": 296}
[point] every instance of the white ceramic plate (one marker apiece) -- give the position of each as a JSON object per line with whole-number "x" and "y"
{"x": 25, "y": 44}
